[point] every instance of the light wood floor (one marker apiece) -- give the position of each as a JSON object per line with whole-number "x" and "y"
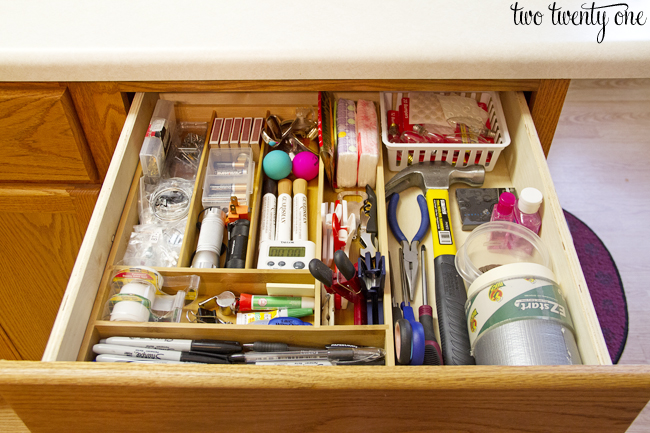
{"x": 600, "y": 163}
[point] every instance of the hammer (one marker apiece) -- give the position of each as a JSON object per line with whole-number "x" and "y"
{"x": 434, "y": 178}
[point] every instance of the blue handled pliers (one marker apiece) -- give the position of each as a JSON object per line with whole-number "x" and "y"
{"x": 410, "y": 249}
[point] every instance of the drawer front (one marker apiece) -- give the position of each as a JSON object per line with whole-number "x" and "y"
{"x": 42, "y": 138}
{"x": 381, "y": 398}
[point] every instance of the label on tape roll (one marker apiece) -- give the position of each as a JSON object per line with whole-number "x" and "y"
{"x": 515, "y": 299}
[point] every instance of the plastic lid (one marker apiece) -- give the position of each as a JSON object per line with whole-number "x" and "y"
{"x": 529, "y": 200}
{"x": 499, "y": 243}
{"x": 285, "y": 186}
{"x": 506, "y": 272}
{"x": 506, "y": 202}
{"x": 245, "y": 302}
{"x": 299, "y": 186}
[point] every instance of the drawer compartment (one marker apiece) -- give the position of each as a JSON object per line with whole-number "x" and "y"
{"x": 381, "y": 398}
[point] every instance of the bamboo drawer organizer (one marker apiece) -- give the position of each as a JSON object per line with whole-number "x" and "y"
{"x": 521, "y": 164}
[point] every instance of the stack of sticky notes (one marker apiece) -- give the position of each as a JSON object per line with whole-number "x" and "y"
{"x": 357, "y": 143}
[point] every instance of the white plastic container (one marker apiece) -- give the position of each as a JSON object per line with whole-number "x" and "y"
{"x": 401, "y": 155}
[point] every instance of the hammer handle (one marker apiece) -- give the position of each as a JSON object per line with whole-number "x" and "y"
{"x": 450, "y": 288}
{"x": 450, "y": 305}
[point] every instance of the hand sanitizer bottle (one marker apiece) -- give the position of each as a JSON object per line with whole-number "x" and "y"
{"x": 527, "y": 209}
{"x": 504, "y": 209}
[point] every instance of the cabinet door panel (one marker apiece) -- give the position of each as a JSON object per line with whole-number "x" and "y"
{"x": 42, "y": 139}
{"x": 41, "y": 230}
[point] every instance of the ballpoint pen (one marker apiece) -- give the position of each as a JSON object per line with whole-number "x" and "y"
{"x": 335, "y": 356}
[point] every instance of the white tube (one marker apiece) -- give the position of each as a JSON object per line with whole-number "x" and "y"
{"x": 300, "y": 226}
{"x": 283, "y": 220}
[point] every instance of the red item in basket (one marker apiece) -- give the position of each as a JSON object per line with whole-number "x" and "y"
{"x": 393, "y": 128}
{"x": 404, "y": 111}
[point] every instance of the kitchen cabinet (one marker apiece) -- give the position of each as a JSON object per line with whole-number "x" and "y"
{"x": 381, "y": 398}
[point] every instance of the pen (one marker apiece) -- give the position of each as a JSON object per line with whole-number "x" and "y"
{"x": 211, "y": 346}
{"x": 165, "y": 355}
{"x": 263, "y": 346}
{"x": 335, "y": 356}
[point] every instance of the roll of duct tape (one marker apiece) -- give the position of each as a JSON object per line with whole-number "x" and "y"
{"x": 517, "y": 315}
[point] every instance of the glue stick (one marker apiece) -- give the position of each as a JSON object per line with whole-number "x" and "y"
{"x": 283, "y": 220}
{"x": 261, "y": 302}
{"x": 300, "y": 228}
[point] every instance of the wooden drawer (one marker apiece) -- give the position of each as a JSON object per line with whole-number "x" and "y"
{"x": 104, "y": 397}
{"x": 42, "y": 139}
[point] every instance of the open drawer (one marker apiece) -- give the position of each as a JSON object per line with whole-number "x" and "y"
{"x": 109, "y": 397}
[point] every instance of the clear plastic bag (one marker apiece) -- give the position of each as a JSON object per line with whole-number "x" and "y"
{"x": 155, "y": 245}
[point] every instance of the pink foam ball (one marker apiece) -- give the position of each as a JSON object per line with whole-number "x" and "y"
{"x": 305, "y": 165}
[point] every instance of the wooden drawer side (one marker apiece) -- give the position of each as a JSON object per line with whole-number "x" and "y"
{"x": 528, "y": 167}
{"x": 69, "y": 327}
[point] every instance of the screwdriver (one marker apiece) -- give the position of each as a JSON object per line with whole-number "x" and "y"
{"x": 402, "y": 327}
{"x": 417, "y": 331}
{"x": 432, "y": 352}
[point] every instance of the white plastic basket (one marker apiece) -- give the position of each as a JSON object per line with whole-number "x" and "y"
{"x": 401, "y": 155}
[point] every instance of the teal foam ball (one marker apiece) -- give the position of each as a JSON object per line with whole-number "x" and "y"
{"x": 277, "y": 165}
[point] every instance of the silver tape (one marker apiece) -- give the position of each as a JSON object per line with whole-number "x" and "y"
{"x": 528, "y": 342}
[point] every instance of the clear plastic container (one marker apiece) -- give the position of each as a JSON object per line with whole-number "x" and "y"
{"x": 481, "y": 252}
{"x": 158, "y": 138}
{"x": 229, "y": 173}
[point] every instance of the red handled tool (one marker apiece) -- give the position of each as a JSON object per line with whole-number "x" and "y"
{"x": 432, "y": 352}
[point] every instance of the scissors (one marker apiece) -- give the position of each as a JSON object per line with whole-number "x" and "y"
{"x": 410, "y": 249}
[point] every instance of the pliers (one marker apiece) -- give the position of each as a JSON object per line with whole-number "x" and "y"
{"x": 410, "y": 249}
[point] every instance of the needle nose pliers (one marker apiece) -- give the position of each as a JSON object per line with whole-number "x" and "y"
{"x": 410, "y": 249}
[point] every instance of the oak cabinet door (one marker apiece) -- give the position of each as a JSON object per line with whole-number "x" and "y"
{"x": 42, "y": 138}
{"x": 41, "y": 228}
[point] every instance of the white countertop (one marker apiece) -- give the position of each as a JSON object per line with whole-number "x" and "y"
{"x": 135, "y": 40}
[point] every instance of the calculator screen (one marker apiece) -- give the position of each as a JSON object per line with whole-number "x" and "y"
{"x": 286, "y": 251}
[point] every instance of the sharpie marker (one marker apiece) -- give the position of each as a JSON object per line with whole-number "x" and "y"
{"x": 210, "y": 346}
{"x": 132, "y": 360}
{"x": 165, "y": 355}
